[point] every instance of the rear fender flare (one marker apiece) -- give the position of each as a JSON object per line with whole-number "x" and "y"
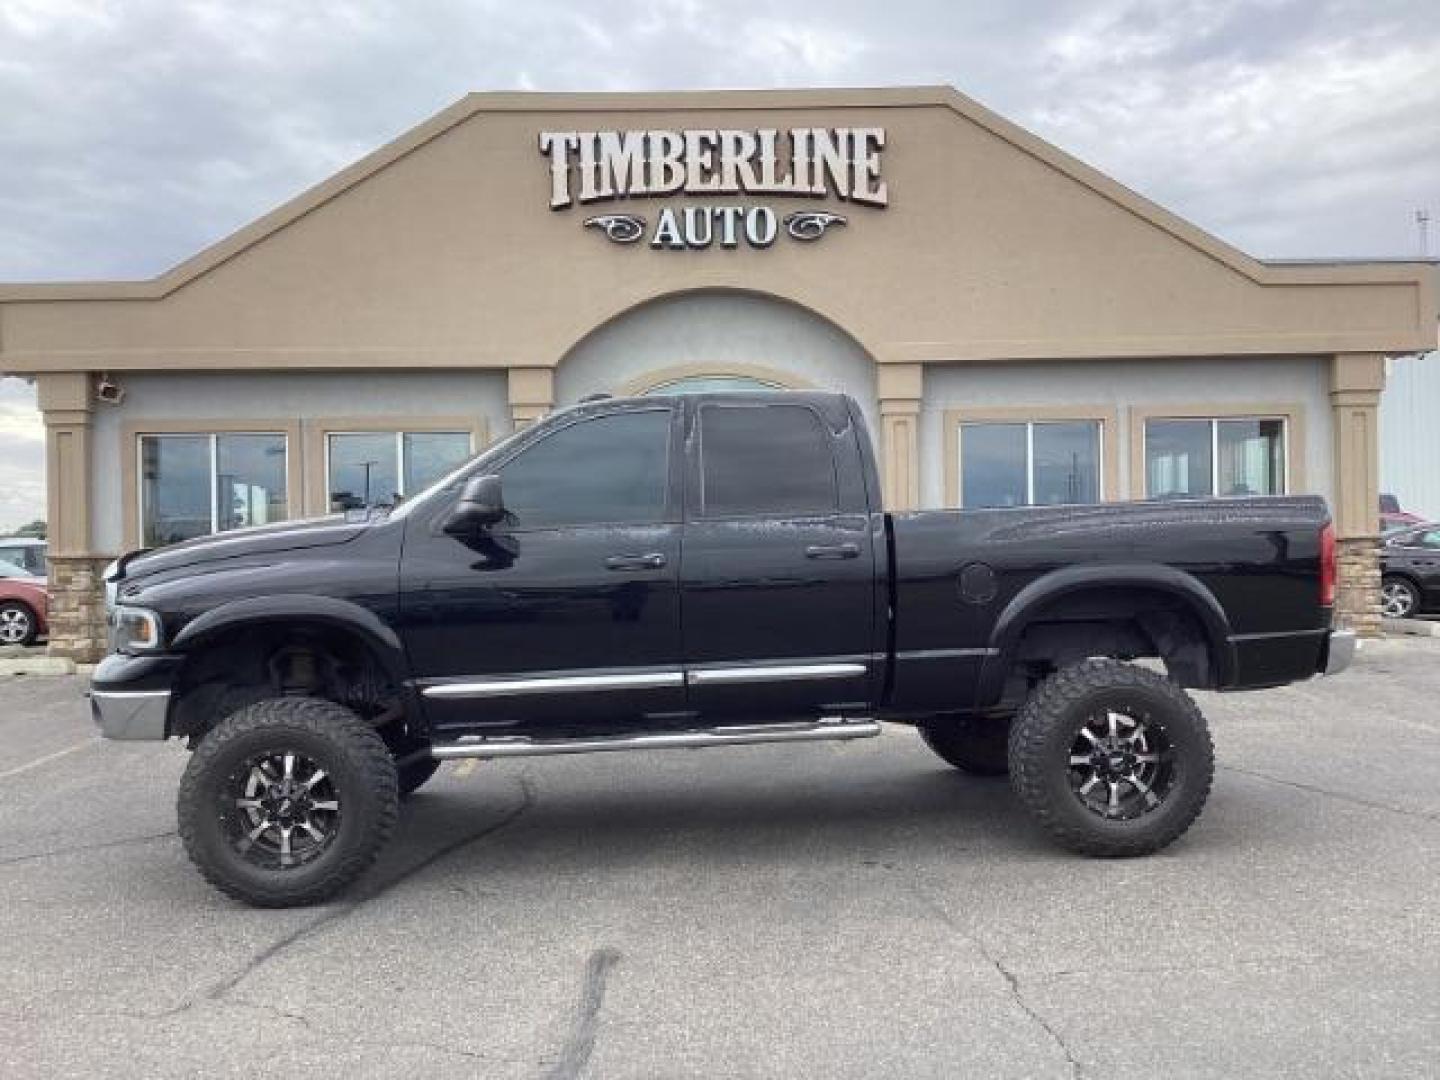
{"x": 1030, "y": 600}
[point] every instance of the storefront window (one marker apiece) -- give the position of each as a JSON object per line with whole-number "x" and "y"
{"x": 379, "y": 468}
{"x": 1230, "y": 457}
{"x": 1041, "y": 463}
{"x": 194, "y": 485}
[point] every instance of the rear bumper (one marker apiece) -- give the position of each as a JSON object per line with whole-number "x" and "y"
{"x": 130, "y": 696}
{"x": 1340, "y": 649}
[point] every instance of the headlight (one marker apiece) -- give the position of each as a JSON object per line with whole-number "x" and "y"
{"x": 134, "y": 629}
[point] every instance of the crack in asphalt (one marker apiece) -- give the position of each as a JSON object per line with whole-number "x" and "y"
{"x": 218, "y": 991}
{"x": 1012, "y": 981}
{"x": 55, "y": 852}
{"x": 1354, "y": 800}
{"x": 580, "y": 1043}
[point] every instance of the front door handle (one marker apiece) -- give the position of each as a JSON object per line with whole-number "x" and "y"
{"x": 653, "y": 561}
{"x": 832, "y": 551}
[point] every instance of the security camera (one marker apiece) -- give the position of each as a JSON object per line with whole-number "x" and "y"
{"x": 109, "y": 391}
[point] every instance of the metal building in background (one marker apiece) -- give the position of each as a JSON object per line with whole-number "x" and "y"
{"x": 1410, "y": 434}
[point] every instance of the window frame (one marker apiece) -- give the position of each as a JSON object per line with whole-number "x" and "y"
{"x": 1107, "y": 487}
{"x": 1290, "y": 428}
{"x": 131, "y": 464}
{"x": 317, "y": 444}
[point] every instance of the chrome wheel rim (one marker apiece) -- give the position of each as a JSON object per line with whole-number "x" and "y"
{"x": 1122, "y": 765}
{"x": 14, "y": 626}
{"x": 1395, "y": 600}
{"x": 281, "y": 810}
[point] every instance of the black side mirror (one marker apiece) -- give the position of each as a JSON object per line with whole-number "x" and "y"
{"x": 479, "y": 507}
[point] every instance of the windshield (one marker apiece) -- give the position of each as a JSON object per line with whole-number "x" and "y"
{"x": 413, "y": 503}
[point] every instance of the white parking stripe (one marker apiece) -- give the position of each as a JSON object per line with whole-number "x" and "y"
{"x": 46, "y": 759}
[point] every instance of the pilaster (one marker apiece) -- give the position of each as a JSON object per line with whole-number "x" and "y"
{"x": 532, "y": 394}
{"x": 899, "y": 388}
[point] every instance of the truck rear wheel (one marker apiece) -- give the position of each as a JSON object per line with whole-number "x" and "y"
{"x": 1111, "y": 759}
{"x": 287, "y": 801}
{"x": 973, "y": 744}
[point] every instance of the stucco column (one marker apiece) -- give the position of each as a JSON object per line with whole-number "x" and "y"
{"x": 77, "y": 603}
{"x": 899, "y": 388}
{"x": 532, "y": 394}
{"x": 1356, "y": 380}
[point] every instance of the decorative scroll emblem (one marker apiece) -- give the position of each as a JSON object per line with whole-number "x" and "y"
{"x": 811, "y": 224}
{"x": 621, "y": 228}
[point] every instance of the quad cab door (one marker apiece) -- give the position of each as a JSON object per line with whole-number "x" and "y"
{"x": 565, "y": 616}
{"x": 779, "y": 575}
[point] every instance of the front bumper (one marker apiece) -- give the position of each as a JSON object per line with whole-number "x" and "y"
{"x": 130, "y": 696}
{"x": 1340, "y": 650}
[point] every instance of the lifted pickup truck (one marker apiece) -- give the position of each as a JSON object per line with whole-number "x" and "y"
{"x": 696, "y": 571}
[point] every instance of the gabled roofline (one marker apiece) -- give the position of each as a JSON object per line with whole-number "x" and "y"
{"x": 1291, "y": 272}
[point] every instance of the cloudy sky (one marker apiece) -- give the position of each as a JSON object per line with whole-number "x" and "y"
{"x": 135, "y": 132}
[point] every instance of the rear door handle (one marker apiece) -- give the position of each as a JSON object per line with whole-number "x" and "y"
{"x": 832, "y": 551}
{"x": 653, "y": 561}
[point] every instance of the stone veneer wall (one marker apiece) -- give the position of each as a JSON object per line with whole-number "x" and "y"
{"x": 77, "y": 607}
{"x": 1357, "y": 599}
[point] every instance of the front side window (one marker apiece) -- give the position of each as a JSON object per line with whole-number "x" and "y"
{"x": 379, "y": 468}
{"x": 1229, "y": 457}
{"x": 194, "y": 485}
{"x": 770, "y": 461}
{"x": 1032, "y": 463}
{"x": 609, "y": 470}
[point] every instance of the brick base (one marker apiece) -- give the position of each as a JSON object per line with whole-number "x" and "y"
{"x": 1357, "y": 597}
{"x": 77, "y": 607}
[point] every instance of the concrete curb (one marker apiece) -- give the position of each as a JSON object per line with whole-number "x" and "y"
{"x": 1411, "y": 627}
{"x": 37, "y": 665}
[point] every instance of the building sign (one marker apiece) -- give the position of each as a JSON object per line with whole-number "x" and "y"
{"x": 590, "y": 167}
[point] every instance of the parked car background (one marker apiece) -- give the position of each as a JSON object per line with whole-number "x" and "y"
{"x": 24, "y": 605}
{"x": 1410, "y": 572}
{"x": 26, "y": 553}
{"x": 1393, "y": 517}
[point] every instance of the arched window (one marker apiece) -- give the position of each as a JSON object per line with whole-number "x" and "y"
{"x": 702, "y": 384}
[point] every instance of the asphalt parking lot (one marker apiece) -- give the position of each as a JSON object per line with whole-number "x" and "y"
{"x": 825, "y": 910}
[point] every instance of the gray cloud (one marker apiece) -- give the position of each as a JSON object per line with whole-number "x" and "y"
{"x": 133, "y": 135}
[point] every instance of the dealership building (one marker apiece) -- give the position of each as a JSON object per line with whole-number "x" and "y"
{"x": 1016, "y": 326}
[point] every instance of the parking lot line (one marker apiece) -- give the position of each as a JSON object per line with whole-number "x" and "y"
{"x": 46, "y": 759}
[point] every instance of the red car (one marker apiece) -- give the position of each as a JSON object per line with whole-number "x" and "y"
{"x": 23, "y": 606}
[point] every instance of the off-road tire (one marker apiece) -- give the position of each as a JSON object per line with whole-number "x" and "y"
{"x": 21, "y": 613}
{"x": 413, "y": 776}
{"x": 973, "y": 744}
{"x": 361, "y": 770}
{"x": 1047, "y": 727}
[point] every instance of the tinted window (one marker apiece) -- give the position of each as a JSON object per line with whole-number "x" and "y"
{"x": 770, "y": 460}
{"x": 992, "y": 465}
{"x": 1178, "y": 458}
{"x": 609, "y": 470}
{"x": 1067, "y": 462}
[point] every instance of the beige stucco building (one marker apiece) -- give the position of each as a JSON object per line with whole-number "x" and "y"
{"x": 1017, "y": 326}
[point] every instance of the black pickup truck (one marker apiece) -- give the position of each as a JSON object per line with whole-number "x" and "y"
{"x": 696, "y": 571}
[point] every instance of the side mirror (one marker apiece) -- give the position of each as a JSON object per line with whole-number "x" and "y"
{"x": 480, "y": 506}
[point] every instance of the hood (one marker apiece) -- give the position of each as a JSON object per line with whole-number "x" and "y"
{"x": 242, "y": 543}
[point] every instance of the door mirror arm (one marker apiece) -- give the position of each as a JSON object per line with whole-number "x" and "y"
{"x": 480, "y": 506}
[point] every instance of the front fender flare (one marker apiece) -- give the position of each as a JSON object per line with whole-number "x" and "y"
{"x": 327, "y": 610}
{"x": 1023, "y": 607}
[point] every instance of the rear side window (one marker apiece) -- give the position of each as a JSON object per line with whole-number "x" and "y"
{"x": 610, "y": 470}
{"x": 765, "y": 461}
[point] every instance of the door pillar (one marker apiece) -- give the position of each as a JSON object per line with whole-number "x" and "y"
{"x": 899, "y": 388}
{"x": 1356, "y": 380}
{"x": 532, "y": 394}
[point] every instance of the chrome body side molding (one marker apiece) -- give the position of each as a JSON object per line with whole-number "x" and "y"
{"x": 563, "y": 684}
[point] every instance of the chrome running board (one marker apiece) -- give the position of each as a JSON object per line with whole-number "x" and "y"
{"x": 503, "y": 747}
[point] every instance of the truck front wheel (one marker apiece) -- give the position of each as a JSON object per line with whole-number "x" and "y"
{"x": 1112, "y": 760}
{"x": 287, "y": 801}
{"x": 972, "y": 744}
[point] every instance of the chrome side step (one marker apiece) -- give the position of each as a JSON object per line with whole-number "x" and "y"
{"x": 503, "y": 747}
